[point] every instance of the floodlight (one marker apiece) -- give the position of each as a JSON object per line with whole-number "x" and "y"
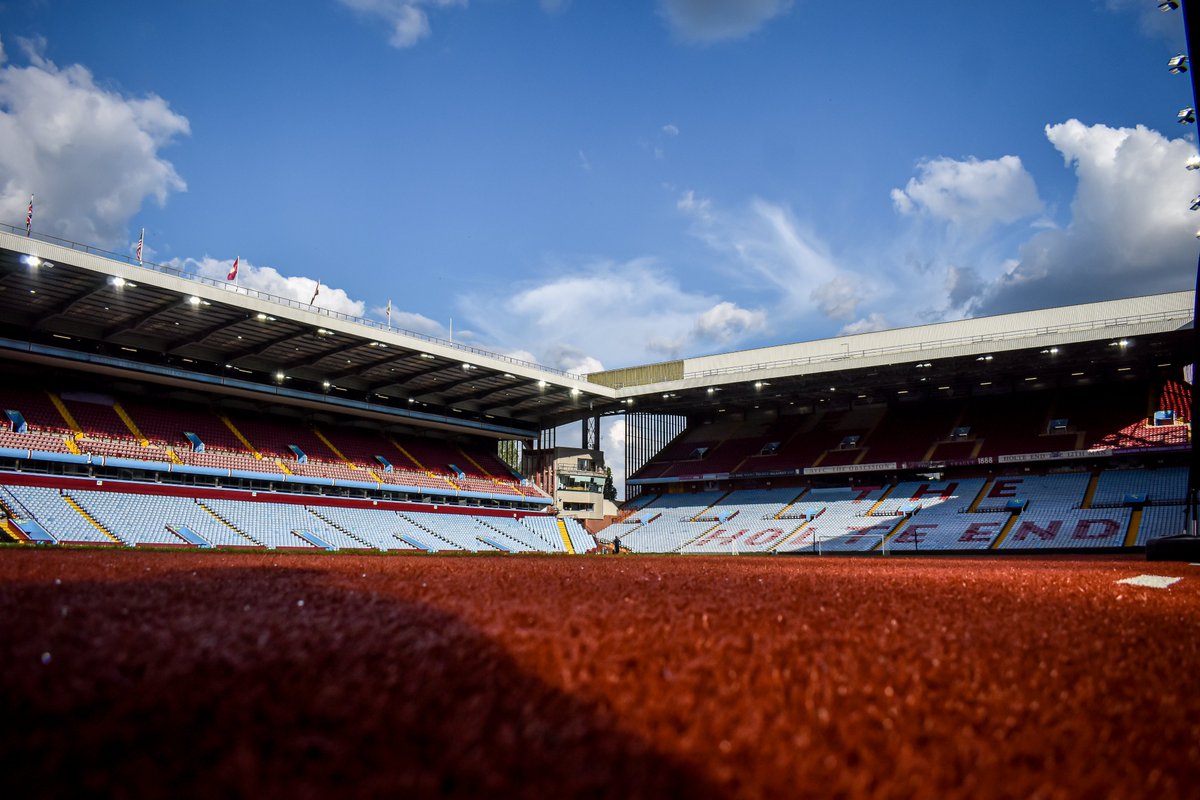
{"x": 1196, "y": 203}
{"x": 32, "y": 261}
{"x": 1178, "y": 64}
{"x": 1186, "y": 115}
{"x": 194, "y": 301}
{"x": 1168, "y": 5}
{"x": 117, "y": 281}
{"x": 1193, "y": 162}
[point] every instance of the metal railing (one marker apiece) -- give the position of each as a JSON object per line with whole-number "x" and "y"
{"x": 1158, "y": 316}
{"x": 168, "y": 269}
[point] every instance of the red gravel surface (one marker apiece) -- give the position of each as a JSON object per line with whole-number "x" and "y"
{"x": 136, "y": 674}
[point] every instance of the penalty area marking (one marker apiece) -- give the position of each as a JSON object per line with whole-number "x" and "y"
{"x": 1151, "y": 581}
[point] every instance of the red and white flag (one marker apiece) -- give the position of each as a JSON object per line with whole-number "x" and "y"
{"x": 29, "y": 217}
{"x": 389, "y": 312}
{"x": 316, "y": 292}
{"x": 232, "y": 276}
{"x": 141, "y": 241}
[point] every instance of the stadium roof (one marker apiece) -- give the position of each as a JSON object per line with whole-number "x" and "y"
{"x": 86, "y": 309}
{"x": 73, "y": 305}
{"x": 1070, "y": 345}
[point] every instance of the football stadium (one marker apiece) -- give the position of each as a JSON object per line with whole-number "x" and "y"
{"x": 252, "y": 546}
{"x": 335, "y": 466}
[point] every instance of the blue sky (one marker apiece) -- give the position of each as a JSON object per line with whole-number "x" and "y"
{"x": 593, "y": 184}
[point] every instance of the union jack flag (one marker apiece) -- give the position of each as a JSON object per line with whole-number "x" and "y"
{"x": 141, "y": 241}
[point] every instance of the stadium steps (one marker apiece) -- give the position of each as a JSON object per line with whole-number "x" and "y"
{"x": 983, "y": 492}
{"x": 476, "y": 464}
{"x": 695, "y": 539}
{"x": 65, "y": 413}
{"x": 335, "y": 526}
{"x": 1008, "y": 526}
{"x": 893, "y": 533}
{"x": 499, "y": 537}
{"x": 566, "y": 537}
{"x": 713, "y": 505}
{"x": 229, "y": 524}
{"x": 241, "y": 438}
{"x": 789, "y": 537}
{"x": 131, "y": 425}
{"x": 333, "y": 449}
{"x": 73, "y": 503}
{"x": 420, "y": 466}
{"x": 1090, "y": 494}
{"x": 1135, "y": 525}
{"x": 431, "y": 532}
{"x": 795, "y": 500}
{"x": 10, "y": 532}
{"x": 879, "y": 502}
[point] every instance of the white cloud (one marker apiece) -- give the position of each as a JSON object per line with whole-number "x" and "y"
{"x": 409, "y": 321}
{"x": 868, "y": 324}
{"x": 584, "y": 162}
{"x": 608, "y": 313}
{"x": 973, "y": 194}
{"x": 715, "y": 20}
{"x": 1130, "y": 232}
{"x": 407, "y": 20}
{"x": 670, "y": 130}
{"x": 726, "y": 322}
{"x": 90, "y": 154}
{"x": 269, "y": 280}
{"x": 772, "y": 252}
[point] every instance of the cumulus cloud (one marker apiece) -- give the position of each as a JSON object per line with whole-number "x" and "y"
{"x": 606, "y": 313}
{"x": 1130, "y": 232}
{"x": 716, "y": 20}
{"x": 90, "y": 154}
{"x": 407, "y": 20}
{"x": 270, "y": 281}
{"x": 973, "y": 194}
{"x": 726, "y": 322}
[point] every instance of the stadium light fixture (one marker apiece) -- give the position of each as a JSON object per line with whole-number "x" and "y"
{"x": 1168, "y": 5}
{"x": 31, "y": 261}
{"x": 574, "y": 391}
{"x": 1178, "y": 64}
{"x": 326, "y": 384}
{"x": 541, "y": 384}
{"x": 194, "y": 301}
{"x": 1186, "y": 115}
{"x": 1193, "y": 162}
{"x": 1195, "y": 203}
{"x": 117, "y": 281}
{"x": 279, "y": 376}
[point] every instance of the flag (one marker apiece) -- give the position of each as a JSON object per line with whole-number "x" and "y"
{"x": 232, "y": 276}
{"x": 389, "y": 312}
{"x": 141, "y": 241}
{"x": 29, "y": 217}
{"x": 316, "y": 292}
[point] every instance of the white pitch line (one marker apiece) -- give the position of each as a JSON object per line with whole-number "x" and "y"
{"x": 1151, "y": 581}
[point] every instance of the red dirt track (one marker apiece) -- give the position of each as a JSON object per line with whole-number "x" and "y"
{"x": 142, "y": 674}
